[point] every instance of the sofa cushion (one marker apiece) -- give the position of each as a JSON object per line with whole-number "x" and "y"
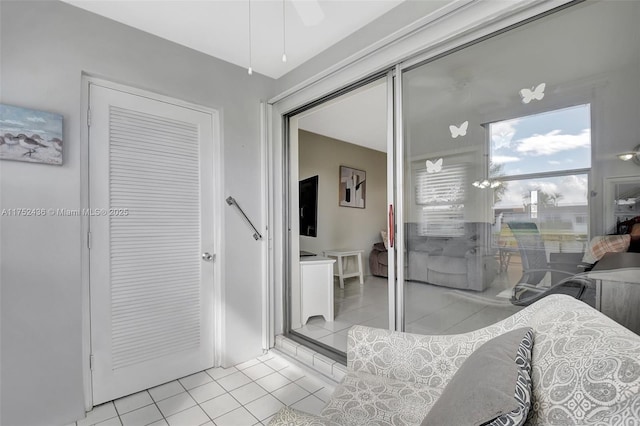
{"x": 457, "y": 247}
{"x": 494, "y": 383}
{"x": 448, "y": 265}
{"x": 383, "y": 258}
{"x": 366, "y": 399}
{"x": 379, "y": 247}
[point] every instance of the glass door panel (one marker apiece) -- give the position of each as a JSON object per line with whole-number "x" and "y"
{"x": 341, "y": 258}
{"x": 498, "y": 145}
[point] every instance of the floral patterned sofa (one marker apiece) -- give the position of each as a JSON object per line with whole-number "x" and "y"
{"x": 585, "y": 370}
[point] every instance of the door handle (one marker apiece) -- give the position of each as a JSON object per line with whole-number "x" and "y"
{"x": 208, "y": 257}
{"x": 391, "y": 226}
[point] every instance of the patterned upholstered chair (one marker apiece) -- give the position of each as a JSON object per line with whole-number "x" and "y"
{"x": 585, "y": 370}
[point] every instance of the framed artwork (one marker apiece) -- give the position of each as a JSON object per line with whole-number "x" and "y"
{"x": 30, "y": 135}
{"x": 353, "y": 187}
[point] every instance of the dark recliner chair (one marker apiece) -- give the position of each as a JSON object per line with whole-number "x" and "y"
{"x": 535, "y": 267}
{"x": 379, "y": 260}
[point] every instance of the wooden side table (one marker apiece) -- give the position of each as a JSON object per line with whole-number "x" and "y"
{"x": 340, "y": 255}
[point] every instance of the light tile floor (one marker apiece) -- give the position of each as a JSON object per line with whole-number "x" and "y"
{"x": 429, "y": 309}
{"x": 244, "y": 395}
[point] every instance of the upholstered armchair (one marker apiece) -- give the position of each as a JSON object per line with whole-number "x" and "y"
{"x": 585, "y": 370}
{"x": 465, "y": 262}
{"x": 379, "y": 260}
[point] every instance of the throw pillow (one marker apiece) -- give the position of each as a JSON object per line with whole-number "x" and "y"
{"x": 385, "y": 239}
{"x": 606, "y": 244}
{"x": 635, "y": 232}
{"x": 492, "y": 387}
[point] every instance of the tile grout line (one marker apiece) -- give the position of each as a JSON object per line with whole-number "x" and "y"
{"x": 157, "y": 407}
{"x": 197, "y": 403}
{"x": 241, "y": 405}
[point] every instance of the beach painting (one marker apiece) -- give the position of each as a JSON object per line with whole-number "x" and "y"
{"x": 30, "y": 135}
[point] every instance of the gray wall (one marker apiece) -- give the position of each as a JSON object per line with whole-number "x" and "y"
{"x": 45, "y": 48}
{"x": 343, "y": 227}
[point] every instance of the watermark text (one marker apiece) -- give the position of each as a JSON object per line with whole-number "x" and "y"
{"x": 28, "y": 212}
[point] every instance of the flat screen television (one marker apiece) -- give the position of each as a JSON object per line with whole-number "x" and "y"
{"x": 308, "y": 203}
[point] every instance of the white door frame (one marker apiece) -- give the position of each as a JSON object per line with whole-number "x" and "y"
{"x": 453, "y": 26}
{"x": 397, "y": 199}
{"x": 217, "y": 186}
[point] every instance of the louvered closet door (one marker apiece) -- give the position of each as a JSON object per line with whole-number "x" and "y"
{"x": 151, "y": 182}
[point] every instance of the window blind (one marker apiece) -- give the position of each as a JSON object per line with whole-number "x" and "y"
{"x": 441, "y": 196}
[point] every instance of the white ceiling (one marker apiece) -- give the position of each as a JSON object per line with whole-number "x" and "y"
{"x": 359, "y": 117}
{"x": 220, "y": 28}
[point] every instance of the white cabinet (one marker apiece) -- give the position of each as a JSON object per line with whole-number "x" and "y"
{"x": 316, "y": 288}
{"x": 619, "y": 301}
{"x": 617, "y": 278}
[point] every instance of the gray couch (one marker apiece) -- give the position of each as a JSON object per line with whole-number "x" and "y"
{"x": 466, "y": 262}
{"x": 585, "y": 371}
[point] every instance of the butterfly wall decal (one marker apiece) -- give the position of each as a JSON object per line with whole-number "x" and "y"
{"x": 434, "y": 166}
{"x": 536, "y": 93}
{"x": 460, "y": 130}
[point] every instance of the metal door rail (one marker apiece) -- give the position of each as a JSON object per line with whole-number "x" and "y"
{"x": 232, "y": 202}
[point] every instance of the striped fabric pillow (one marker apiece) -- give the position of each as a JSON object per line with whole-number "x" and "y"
{"x": 606, "y": 244}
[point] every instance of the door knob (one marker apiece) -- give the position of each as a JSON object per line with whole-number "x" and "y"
{"x": 208, "y": 257}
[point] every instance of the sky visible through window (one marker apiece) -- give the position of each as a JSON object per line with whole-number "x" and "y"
{"x": 553, "y": 141}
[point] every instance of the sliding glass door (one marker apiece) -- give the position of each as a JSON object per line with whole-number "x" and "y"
{"x": 495, "y": 156}
{"x": 341, "y": 252}
{"x": 498, "y": 141}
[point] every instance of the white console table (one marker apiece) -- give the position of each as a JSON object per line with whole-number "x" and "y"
{"x": 617, "y": 278}
{"x": 316, "y": 287}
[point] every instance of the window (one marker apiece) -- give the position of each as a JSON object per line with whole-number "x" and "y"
{"x": 554, "y": 141}
{"x": 543, "y": 162}
{"x": 441, "y": 195}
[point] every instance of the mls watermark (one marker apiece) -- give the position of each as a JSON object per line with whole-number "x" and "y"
{"x": 26, "y": 212}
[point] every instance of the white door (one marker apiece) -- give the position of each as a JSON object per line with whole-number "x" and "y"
{"x": 151, "y": 225}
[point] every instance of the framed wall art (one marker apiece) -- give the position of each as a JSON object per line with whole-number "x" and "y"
{"x": 30, "y": 135}
{"x": 353, "y": 187}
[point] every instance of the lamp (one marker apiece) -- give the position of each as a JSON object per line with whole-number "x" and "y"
{"x": 250, "y": 70}
{"x": 284, "y": 34}
{"x": 631, "y": 155}
{"x": 485, "y": 182}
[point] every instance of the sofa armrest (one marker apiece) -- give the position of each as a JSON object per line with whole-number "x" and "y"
{"x": 288, "y": 416}
{"x": 474, "y": 252}
{"x": 479, "y": 250}
{"x": 431, "y": 360}
{"x": 427, "y": 359}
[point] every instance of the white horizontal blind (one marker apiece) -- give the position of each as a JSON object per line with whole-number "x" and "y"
{"x": 442, "y": 196}
{"x": 155, "y": 249}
